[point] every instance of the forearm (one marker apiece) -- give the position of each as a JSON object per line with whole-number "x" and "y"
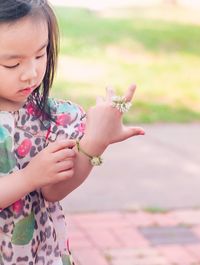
{"x": 82, "y": 169}
{"x": 13, "y": 187}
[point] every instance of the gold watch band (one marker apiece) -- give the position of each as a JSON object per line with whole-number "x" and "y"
{"x": 94, "y": 160}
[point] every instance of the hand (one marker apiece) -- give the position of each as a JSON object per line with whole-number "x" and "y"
{"x": 104, "y": 123}
{"x": 53, "y": 164}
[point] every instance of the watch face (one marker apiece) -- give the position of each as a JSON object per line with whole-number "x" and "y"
{"x": 96, "y": 161}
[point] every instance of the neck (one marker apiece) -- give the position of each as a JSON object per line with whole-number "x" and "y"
{"x": 7, "y": 105}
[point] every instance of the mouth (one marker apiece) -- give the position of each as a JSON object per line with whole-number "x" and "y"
{"x": 27, "y": 90}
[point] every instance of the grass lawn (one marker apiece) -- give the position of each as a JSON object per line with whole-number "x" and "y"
{"x": 160, "y": 55}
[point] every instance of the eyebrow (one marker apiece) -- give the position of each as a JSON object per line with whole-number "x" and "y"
{"x": 17, "y": 56}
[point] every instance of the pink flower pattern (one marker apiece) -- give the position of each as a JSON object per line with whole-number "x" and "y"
{"x": 32, "y": 132}
{"x": 17, "y": 206}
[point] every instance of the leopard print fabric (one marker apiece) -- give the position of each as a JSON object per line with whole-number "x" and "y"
{"x": 32, "y": 230}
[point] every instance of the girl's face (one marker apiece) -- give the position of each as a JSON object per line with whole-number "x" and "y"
{"x": 23, "y": 60}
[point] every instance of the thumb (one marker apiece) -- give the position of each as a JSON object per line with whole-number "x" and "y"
{"x": 133, "y": 131}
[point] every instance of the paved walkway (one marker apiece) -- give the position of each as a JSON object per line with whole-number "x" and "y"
{"x": 136, "y": 238}
{"x": 158, "y": 171}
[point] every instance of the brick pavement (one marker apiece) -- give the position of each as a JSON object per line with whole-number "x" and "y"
{"x": 135, "y": 238}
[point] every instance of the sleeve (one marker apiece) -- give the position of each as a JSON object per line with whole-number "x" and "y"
{"x": 8, "y": 163}
{"x": 68, "y": 120}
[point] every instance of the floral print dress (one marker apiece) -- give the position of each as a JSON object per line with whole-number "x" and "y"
{"x": 32, "y": 230}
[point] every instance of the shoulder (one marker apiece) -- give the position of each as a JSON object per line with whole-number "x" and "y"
{"x": 59, "y": 106}
{"x": 66, "y": 113}
{"x": 68, "y": 119}
{"x": 65, "y": 109}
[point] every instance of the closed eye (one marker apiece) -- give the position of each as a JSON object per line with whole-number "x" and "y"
{"x": 16, "y": 65}
{"x": 11, "y": 66}
{"x": 40, "y": 56}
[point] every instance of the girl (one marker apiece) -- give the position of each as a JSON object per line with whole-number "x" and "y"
{"x": 40, "y": 160}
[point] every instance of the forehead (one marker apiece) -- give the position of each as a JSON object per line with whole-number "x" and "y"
{"x": 23, "y": 36}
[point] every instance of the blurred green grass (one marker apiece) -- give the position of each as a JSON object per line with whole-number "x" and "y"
{"x": 160, "y": 56}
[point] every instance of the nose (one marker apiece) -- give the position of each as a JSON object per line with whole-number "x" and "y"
{"x": 29, "y": 73}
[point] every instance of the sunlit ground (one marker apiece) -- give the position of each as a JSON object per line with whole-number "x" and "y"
{"x": 158, "y": 48}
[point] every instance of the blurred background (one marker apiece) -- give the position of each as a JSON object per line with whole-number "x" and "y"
{"x": 154, "y": 43}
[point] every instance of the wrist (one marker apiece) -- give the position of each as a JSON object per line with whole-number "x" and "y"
{"x": 95, "y": 160}
{"x": 92, "y": 146}
{"x": 91, "y": 150}
{"x": 26, "y": 178}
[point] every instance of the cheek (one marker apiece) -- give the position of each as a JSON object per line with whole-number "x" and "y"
{"x": 42, "y": 67}
{"x": 7, "y": 77}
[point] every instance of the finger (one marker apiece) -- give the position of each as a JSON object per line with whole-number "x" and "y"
{"x": 99, "y": 100}
{"x": 130, "y": 92}
{"x": 64, "y": 165}
{"x": 61, "y": 144}
{"x": 64, "y": 175}
{"x": 64, "y": 154}
{"x": 133, "y": 131}
{"x": 110, "y": 92}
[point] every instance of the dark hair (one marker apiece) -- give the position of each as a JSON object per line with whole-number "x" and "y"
{"x": 13, "y": 10}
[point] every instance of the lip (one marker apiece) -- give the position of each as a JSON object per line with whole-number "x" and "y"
{"x": 27, "y": 90}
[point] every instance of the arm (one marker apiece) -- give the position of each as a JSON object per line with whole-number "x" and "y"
{"x": 103, "y": 127}
{"x": 44, "y": 169}
{"x": 81, "y": 170}
{"x": 13, "y": 187}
